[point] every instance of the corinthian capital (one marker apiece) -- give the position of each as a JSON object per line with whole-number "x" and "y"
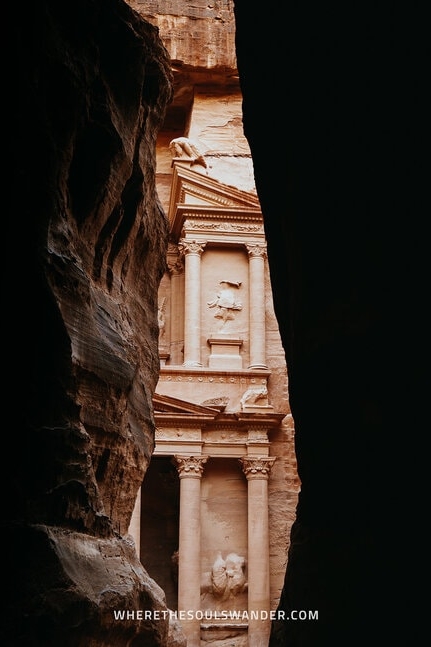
{"x": 190, "y": 466}
{"x": 257, "y": 467}
{"x": 190, "y": 247}
{"x": 256, "y": 250}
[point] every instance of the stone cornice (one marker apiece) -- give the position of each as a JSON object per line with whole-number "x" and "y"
{"x": 215, "y": 212}
{"x": 214, "y": 422}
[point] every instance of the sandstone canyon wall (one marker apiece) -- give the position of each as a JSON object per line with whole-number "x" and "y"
{"x": 89, "y": 85}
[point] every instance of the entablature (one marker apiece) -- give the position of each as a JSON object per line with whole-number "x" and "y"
{"x": 196, "y": 429}
{"x": 217, "y": 224}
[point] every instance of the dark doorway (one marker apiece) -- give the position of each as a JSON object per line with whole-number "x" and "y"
{"x": 160, "y": 504}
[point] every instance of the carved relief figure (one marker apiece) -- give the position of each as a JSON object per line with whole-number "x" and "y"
{"x": 255, "y": 396}
{"x": 227, "y": 577}
{"x": 184, "y": 148}
{"x": 220, "y": 403}
{"x": 161, "y": 317}
{"x": 225, "y": 301}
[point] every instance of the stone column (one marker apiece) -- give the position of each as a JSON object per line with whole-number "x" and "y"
{"x": 135, "y": 523}
{"x": 257, "y": 254}
{"x": 190, "y": 469}
{"x": 176, "y": 271}
{"x": 192, "y": 301}
{"x": 257, "y": 471}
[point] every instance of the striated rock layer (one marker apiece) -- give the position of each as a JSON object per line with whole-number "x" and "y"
{"x": 89, "y": 86}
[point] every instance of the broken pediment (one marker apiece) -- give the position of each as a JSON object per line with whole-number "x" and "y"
{"x": 167, "y": 404}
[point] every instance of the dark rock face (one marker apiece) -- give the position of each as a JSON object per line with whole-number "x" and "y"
{"x": 89, "y": 86}
{"x": 342, "y": 201}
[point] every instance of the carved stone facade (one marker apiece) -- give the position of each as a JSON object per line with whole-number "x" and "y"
{"x": 211, "y": 520}
{"x": 219, "y": 496}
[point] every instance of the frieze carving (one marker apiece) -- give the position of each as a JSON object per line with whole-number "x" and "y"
{"x": 222, "y": 226}
{"x": 190, "y": 466}
{"x": 257, "y": 467}
{"x": 177, "y": 435}
{"x": 208, "y": 378}
{"x": 256, "y": 434}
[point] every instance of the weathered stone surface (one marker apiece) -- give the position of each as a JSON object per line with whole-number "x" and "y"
{"x": 200, "y": 35}
{"x": 75, "y": 583}
{"x": 90, "y": 84}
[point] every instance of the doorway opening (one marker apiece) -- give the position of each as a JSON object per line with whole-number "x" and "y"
{"x": 160, "y": 505}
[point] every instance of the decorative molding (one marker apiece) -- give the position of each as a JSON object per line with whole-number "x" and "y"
{"x": 204, "y": 375}
{"x": 224, "y": 226}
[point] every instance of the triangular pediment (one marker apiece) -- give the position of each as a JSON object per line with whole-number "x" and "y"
{"x": 194, "y": 192}
{"x": 167, "y": 404}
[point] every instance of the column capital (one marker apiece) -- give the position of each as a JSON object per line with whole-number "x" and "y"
{"x": 256, "y": 250}
{"x": 190, "y": 466}
{"x": 190, "y": 247}
{"x": 257, "y": 467}
{"x": 175, "y": 267}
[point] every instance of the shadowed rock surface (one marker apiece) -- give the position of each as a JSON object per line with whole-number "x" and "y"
{"x": 338, "y": 127}
{"x": 89, "y": 88}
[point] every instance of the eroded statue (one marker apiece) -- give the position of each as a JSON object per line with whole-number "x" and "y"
{"x": 227, "y": 577}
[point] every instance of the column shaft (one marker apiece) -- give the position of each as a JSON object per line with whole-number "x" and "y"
{"x": 189, "y": 548}
{"x": 177, "y": 324}
{"x": 257, "y": 255}
{"x": 192, "y": 305}
{"x": 259, "y": 624}
{"x": 135, "y": 523}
